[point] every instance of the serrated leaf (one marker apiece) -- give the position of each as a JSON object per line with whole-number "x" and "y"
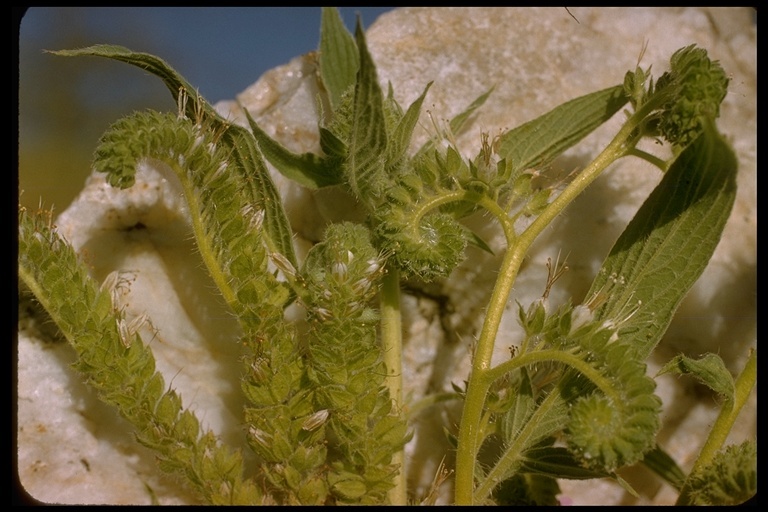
{"x": 710, "y": 370}
{"x": 368, "y": 142}
{"x": 339, "y": 59}
{"x": 669, "y": 242}
{"x": 521, "y": 409}
{"x": 541, "y": 140}
{"x": 306, "y": 169}
{"x": 401, "y": 138}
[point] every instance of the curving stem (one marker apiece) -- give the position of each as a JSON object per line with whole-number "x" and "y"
{"x": 517, "y": 247}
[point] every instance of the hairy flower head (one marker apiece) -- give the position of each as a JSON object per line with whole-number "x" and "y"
{"x": 700, "y": 85}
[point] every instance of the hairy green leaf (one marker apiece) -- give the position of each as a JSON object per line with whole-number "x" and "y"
{"x": 339, "y": 59}
{"x": 260, "y": 190}
{"x": 368, "y": 140}
{"x": 527, "y": 489}
{"x": 549, "y": 417}
{"x": 520, "y": 410}
{"x": 665, "y": 466}
{"x": 557, "y": 462}
{"x": 668, "y": 243}
{"x": 306, "y": 169}
{"x": 401, "y": 138}
{"x": 154, "y": 65}
{"x": 539, "y": 141}
{"x": 710, "y": 370}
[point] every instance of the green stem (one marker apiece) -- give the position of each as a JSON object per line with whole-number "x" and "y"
{"x": 392, "y": 344}
{"x": 577, "y": 363}
{"x": 663, "y": 165}
{"x": 427, "y": 205}
{"x": 479, "y": 381}
{"x": 204, "y": 246}
{"x": 722, "y": 427}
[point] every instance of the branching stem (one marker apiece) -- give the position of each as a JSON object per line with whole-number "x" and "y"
{"x": 725, "y": 420}
{"x": 517, "y": 247}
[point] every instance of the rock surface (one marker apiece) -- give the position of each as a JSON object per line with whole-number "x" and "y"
{"x": 72, "y": 449}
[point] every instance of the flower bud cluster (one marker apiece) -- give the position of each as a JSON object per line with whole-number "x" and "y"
{"x": 604, "y": 431}
{"x": 700, "y": 86}
{"x": 340, "y": 275}
{"x": 344, "y": 364}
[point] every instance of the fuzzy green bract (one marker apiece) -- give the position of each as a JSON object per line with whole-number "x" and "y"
{"x": 324, "y": 414}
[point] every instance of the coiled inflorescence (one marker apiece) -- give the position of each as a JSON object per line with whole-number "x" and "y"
{"x": 608, "y": 427}
{"x": 163, "y": 136}
{"x": 428, "y": 249}
{"x": 700, "y": 84}
{"x": 229, "y": 229}
{"x": 686, "y": 96}
{"x": 730, "y": 479}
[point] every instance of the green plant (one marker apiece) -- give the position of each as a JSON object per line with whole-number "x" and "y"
{"x": 325, "y": 412}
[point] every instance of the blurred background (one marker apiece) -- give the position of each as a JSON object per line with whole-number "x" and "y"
{"x": 65, "y": 104}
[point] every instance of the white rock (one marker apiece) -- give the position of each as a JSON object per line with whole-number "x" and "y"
{"x": 536, "y": 58}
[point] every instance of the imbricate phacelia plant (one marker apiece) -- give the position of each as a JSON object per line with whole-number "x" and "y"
{"x": 325, "y": 416}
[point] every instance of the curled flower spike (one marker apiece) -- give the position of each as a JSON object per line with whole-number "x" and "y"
{"x": 701, "y": 85}
{"x": 429, "y": 250}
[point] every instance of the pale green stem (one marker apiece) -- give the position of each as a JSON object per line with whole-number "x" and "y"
{"x": 568, "y": 359}
{"x": 391, "y": 328}
{"x": 725, "y": 420}
{"x": 479, "y": 382}
{"x": 392, "y": 345}
{"x": 204, "y": 246}
{"x": 663, "y": 165}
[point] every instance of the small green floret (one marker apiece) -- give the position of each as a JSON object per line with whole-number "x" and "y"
{"x": 731, "y": 478}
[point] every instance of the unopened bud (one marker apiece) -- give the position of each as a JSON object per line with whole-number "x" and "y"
{"x": 315, "y": 420}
